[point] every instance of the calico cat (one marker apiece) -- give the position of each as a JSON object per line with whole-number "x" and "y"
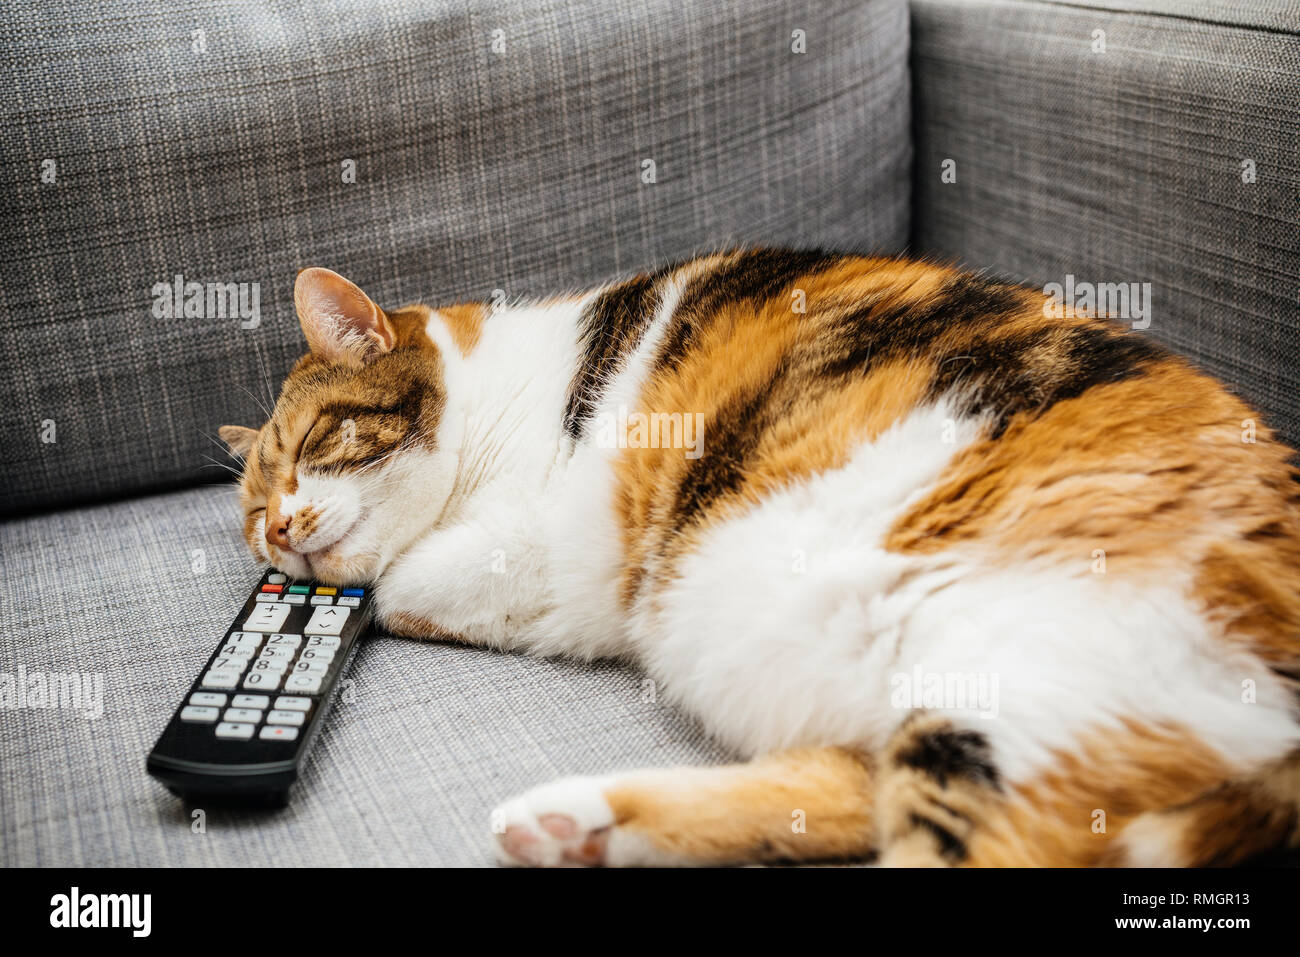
{"x": 819, "y": 498}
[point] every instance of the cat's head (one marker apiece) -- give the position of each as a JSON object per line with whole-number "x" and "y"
{"x": 348, "y": 469}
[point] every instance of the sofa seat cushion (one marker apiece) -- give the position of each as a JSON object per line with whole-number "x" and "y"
{"x": 424, "y": 741}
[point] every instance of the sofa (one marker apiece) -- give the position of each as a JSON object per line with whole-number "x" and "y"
{"x": 478, "y": 148}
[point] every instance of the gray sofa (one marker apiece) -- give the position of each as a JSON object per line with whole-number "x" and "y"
{"x": 442, "y": 152}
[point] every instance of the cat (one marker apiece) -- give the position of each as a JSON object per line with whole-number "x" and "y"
{"x": 968, "y": 577}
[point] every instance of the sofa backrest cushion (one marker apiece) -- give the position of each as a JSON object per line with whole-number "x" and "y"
{"x": 1159, "y": 146}
{"x": 429, "y": 154}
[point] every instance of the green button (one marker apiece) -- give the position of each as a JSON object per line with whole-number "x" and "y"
{"x": 299, "y": 589}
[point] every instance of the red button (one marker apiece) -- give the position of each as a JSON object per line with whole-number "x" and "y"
{"x": 273, "y": 588}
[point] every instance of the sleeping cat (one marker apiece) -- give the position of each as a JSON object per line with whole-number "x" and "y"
{"x": 971, "y": 578}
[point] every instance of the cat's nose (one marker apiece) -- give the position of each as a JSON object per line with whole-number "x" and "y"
{"x": 277, "y": 529}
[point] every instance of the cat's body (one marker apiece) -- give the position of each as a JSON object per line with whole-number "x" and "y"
{"x": 871, "y": 477}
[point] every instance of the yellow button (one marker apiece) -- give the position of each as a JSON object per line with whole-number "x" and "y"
{"x": 322, "y": 590}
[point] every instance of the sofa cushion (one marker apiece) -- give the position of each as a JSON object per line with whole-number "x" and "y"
{"x": 1165, "y": 156}
{"x": 424, "y": 741}
{"x": 494, "y": 145}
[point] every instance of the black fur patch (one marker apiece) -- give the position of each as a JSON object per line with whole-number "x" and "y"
{"x": 611, "y": 328}
{"x": 757, "y": 274}
{"x": 948, "y": 753}
{"x": 951, "y": 847}
{"x": 995, "y": 374}
{"x": 734, "y": 432}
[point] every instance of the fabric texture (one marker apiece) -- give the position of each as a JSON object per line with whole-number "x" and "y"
{"x": 1165, "y": 154}
{"x": 496, "y": 147}
{"x": 424, "y": 741}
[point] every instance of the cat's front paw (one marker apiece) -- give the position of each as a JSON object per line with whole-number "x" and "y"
{"x": 564, "y": 823}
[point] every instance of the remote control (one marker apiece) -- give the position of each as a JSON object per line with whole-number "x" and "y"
{"x": 245, "y": 726}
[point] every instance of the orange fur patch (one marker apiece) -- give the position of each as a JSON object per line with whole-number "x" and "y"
{"x": 465, "y": 323}
{"x": 804, "y": 805}
{"x": 1074, "y": 814}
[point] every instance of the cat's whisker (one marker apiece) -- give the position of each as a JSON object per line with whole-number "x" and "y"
{"x": 260, "y": 404}
{"x": 237, "y": 473}
{"x": 219, "y": 443}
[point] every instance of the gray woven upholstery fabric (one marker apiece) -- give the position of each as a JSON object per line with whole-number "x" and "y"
{"x": 496, "y": 145}
{"x": 425, "y": 739}
{"x": 1126, "y": 165}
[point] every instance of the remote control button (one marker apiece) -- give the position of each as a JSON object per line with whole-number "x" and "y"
{"x": 273, "y": 589}
{"x": 278, "y": 651}
{"x": 275, "y": 666}
{"x": 287, "y": 703}
{"x": 326, "y": 590}
{"x": 237, "y": 651}
{"x": 323, "y": 641}
{"x": 245, "y": 639}
{"x": 284, "y": 641}
{"x": 311, "y": 667}
{"x": 261, "y": 680}
{"x": 354, "y": 592}
{"x": 327, "y": 621}
{"x": 294, "y": 599}
{"x": 201, "y": 715}
{"x": 278, "y": 733}
{"x": 277, "y": 578}
{"x": 251, "y": 715}
{"x": 307, "y": 684}
{"x": 350, "y": 602}
{"x": 241, "y": 731}
{"x": 295, "y": 718}
{"x": 259, "y": 701}
{"x": 266, "y": 598}
{"x": 322, "y": 600}
{"x": 299, "y": 589}
{"x": 208, "y": 699}
{"x": 267, "y": 618}
{"x": 222, "y": 663}
{"x": 221, "y": 679}
{"x": 325, "y": 654}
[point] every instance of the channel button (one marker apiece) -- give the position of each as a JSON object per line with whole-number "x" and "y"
{"x": 327, "y": 620}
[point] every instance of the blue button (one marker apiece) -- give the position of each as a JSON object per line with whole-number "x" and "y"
{"x": 353, "y": 592}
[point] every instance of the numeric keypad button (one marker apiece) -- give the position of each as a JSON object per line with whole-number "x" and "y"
{"x": 262, "y": 681}
{"x": 275, "y": 666}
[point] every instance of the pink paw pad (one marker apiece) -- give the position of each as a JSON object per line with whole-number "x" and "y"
{"x": 566, "y": 822}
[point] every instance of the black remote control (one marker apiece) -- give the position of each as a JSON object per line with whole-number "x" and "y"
{"x": 248, "y": 721}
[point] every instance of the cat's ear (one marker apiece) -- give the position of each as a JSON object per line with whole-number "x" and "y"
{"x": 339, "y": 320}
{"x": 240, "y": 439}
